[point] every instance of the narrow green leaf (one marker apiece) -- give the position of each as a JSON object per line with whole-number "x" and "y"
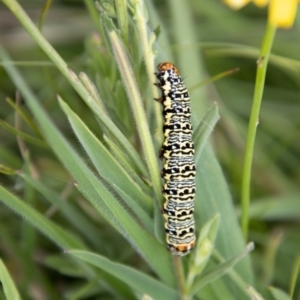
{"x": 74, "y": 215}
{"x": 283, "y": 207}
{"x": 279, "y": 294}
{"x": 254, "y": 295}
{"x": 64, "y": 265}
{"x": 220, "y": 270}
{"x": 25, "y": 117}
{"x": 10, "y": 158}
{"x": 52, "y": 231}
{"x": 7, "y": 170}
{"x": 108, "y": 7}
{"x": 142, "y": 125}
{"x": 213, "y": 197}
{"x": 138, "y": 111}
{"x": 204, "y": 129}
{"x": 203, "y": 249}
{"x": 212, "y": 79}
{"x": 44, "y": 11}
{"x": 63, "y": 239}
{"x": 10, "y": 290}
{"x": 146, "y": 41}
{"x": 135, "y": 279}
{"x": 122, "y": 19}
{"x": 109, "y": 125}
{"x": 23, "y": 135}
{"x": 91, "y": 88}
{"x": 295, "y": 274}
{"x": 142, "y": 217}
{"x": 106, "y": 165}
{"x": 123, "y": 159}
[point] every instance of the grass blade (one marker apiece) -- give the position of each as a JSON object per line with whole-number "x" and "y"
{"x": 23, "y": 135}
{"x": 135, "y": 279}
{"x": 56, "y": 234}
{"x": 10, "y": 291}
{"x": 220, "y": 270}
{"x": 204, "y": 248}
{"x": 204, "y": 129}
{"x": 279, "y": 294}
{"x": 106, "y": 165}
{"x": 254, "y": 295}
{"x": 138, "y": 111}
{"x": 213, "y": 197}
{"x": 25, "y": 117}
{"x": 72, "y": 214}
{"x": 284, "y": 207}
{"x": 142, "y": 125}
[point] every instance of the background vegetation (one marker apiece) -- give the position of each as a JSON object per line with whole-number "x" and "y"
{"x": 90, "y": 183}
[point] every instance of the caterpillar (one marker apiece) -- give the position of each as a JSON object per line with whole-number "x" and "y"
{"x": 179, "y": 169}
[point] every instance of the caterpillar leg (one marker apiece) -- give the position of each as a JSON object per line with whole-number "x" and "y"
{"x": 160, "y": 100}
{"x": 161, "y": 153}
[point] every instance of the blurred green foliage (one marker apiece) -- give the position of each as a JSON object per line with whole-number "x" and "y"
{"x": 205, "y": 39}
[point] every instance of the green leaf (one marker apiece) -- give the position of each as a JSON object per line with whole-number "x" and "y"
{"x": 63, "y": 265}
{"x": 91, "y": 88}
{"x": 204, "y": 129}
{"x": 279, "y": 294}
{"x": 219, "y": 270}
{"x": 52, "y": 231}
{"x": 108, "y": 7}
{"x": 294, "y": 277}
{"x": 107, "y": 167}
{"x": 135, "y": 279}
{"x": 203, "y": 249}
{"x": 122, "y": 19}
{"x": 23, "y": 135}
{"x": 71, "y": 212}
{"x": 10, "y": 158}
{"x": 283, "y": 207}
{"x": 25, "y": 117}
{"x": 7, "y": 170}
{"x": 107, "y": 122}
{"x": 10, "y": 291}
{"x": 123, "y": 159}
{"x": 138, "y": 111}
{"x": 139, "y": 114}
{"x": 254, "y": 295}
{"x": 213, "y": 197}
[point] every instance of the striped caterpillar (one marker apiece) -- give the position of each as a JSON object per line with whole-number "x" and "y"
{"x": 179, "y": 168}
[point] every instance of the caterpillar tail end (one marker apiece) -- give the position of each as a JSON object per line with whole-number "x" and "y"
{"x": 181, "y": 249}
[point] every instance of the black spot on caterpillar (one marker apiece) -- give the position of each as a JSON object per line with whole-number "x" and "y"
{"x": 179, "y": 169}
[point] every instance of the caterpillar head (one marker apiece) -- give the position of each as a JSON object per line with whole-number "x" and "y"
{"x": 167, "y": 66}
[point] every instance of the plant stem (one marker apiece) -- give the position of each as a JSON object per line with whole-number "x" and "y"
{"x": 179, "y": 275}
{"x": 262, "y": 64}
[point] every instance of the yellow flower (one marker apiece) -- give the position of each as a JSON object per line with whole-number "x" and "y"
{"x": 282, "y": 13}
{"x": 236, "y": 4}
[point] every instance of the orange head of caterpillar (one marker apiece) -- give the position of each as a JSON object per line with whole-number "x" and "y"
{"x": 167, "y": 66}
{"x": 181, "y": 249}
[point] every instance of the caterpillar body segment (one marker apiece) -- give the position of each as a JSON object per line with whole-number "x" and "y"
{"x": 179, "y": 169}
